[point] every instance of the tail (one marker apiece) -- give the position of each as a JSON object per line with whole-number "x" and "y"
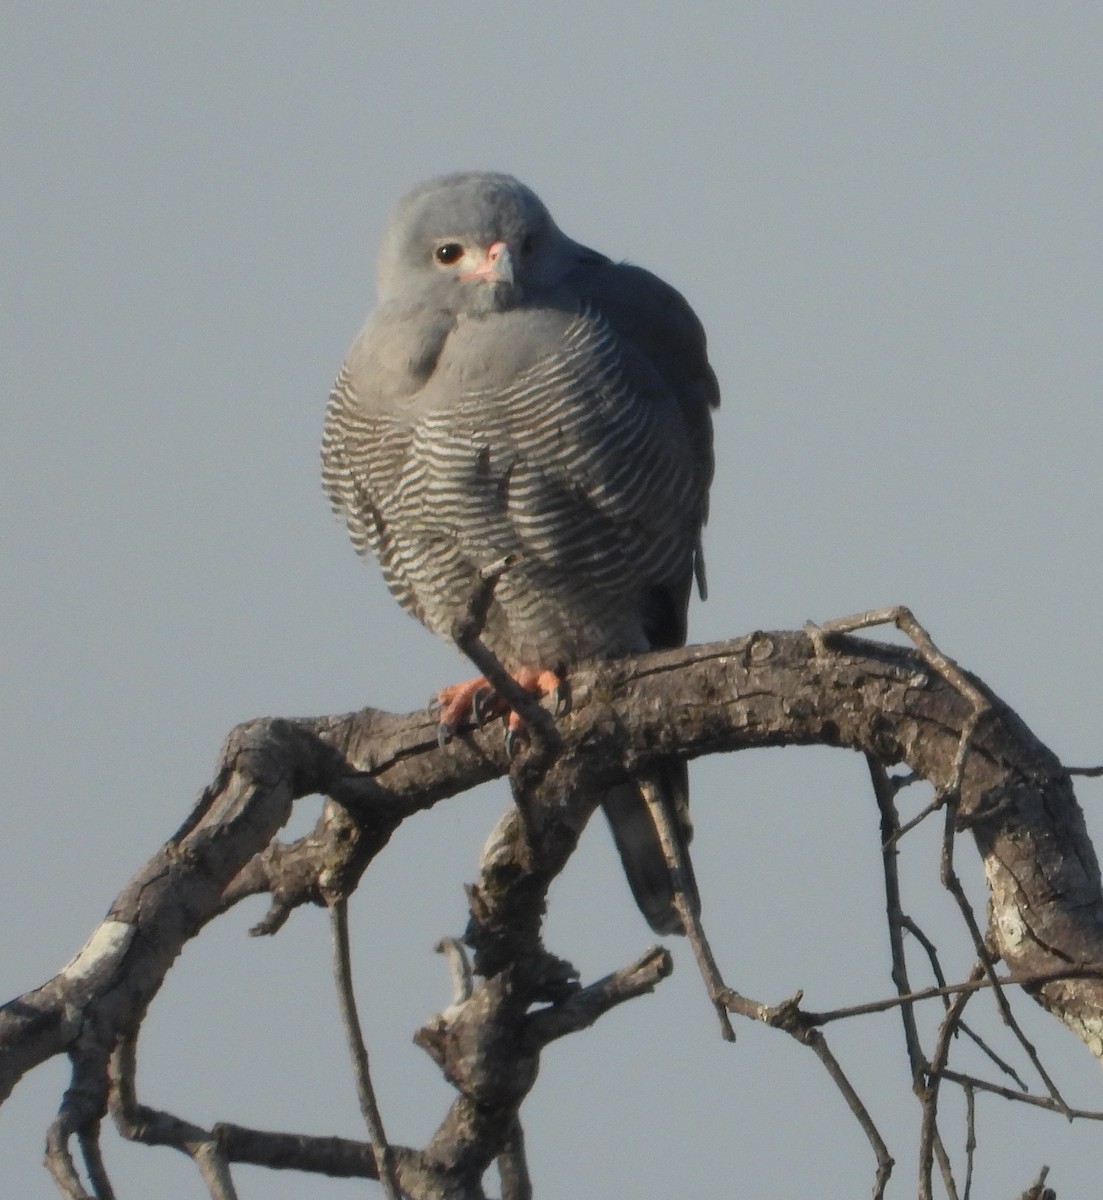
{"x": 640, "y": 851}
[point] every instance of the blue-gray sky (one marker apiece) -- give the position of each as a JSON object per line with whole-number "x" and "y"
{"x": 888, "y": 218}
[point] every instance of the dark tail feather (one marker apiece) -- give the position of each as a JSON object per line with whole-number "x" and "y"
{"x": 640, "y": 850}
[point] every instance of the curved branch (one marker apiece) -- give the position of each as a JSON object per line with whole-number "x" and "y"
{"x": 775, "y": 689}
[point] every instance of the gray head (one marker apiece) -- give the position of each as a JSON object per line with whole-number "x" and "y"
{"x": 470, "y": 243}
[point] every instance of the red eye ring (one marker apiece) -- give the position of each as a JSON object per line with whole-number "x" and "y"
{"x": 448, "y": 253}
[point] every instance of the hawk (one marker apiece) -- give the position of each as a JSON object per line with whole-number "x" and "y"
{"x": 518, "y": 394}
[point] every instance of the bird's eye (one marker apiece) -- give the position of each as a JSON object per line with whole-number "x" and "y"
{"x": 528, "y": 245}
{"x": 448, "y": 253}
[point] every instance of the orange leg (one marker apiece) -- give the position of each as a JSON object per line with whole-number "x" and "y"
{"x": 458, "y": 703}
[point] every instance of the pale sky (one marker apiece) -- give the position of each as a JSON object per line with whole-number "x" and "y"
{"x": 888, "y": 218}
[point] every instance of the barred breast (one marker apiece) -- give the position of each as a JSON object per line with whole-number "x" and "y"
{"x": 579, "y": 465}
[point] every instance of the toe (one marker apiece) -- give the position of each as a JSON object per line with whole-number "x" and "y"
{"x": 515, "y": 736}
{"x": 458, "y": 703}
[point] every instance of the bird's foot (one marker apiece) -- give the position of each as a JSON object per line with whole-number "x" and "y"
{"x": 474, "y": 702}
{"x": 540, "y": 682}
{"x": 461, "y": 704}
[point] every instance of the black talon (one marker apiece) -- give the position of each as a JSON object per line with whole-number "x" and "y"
{"x": 444, "y": 734}
{"x": 479, "y": 705}
{"x": 561, "y": 698}
{"x": 433, "y": 707}
{"x": 514, "y": 737}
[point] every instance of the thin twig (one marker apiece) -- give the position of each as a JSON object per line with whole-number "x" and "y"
{"x": 996, "y": 1089}
{"x": 930, "y": 1140}
{"x": 885, "y": 1162}
{"x": 94, "y": 1164}
{"x": 1091, "y": 971}
{"x": 903, "y": 830}
{"x": 970, "y": 1138}
{"x": 788, "y": 1017}
{"x": 998, "y": 1062}
{"x": 945, "y": 1167}
{"x": 148, "y": 1126}
{"x": 81, "y": 1108}
{"x": 964, "y": 1026}
{"x": 342, "y": 968}
{"x": 691, "y": 922}
{"x": 890, "y": 827}
{"x": 60, "y": 1164}
{"x": 904, "y": 620}
{"x": 513, "y": 1169}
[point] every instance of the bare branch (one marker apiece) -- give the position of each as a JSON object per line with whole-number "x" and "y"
{"x": 905, "y": 621}
{"x": 927, "y": 1089}
{"x": 691, "y": 922}
{"x": 1021, "y": 1097}
{"x": 513, "y": 1168}
{"x": 885, "y": 795}
{"x": 94, "y": 1164}
{"x": 138, "y": 1123}
{"x": 970, "y": 1138}
{"x": 583, "y": 1008}
{"x": 916, "y": 707}
{"x": 358, "y": 1051}
{"x": 885, "y": 1163}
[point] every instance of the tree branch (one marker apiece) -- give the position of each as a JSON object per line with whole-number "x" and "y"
{"x": 791, "y": 688}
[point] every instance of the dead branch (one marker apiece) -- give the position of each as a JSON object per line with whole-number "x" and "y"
{"x": 915, "y": 707}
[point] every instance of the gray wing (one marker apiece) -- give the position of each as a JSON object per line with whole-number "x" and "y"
{"x": 656, "y": 319}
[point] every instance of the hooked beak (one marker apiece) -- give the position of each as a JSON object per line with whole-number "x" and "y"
{"x": 497, "y": 267}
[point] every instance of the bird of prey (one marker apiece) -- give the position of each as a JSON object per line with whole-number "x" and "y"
{"x": 517, "y": 394}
